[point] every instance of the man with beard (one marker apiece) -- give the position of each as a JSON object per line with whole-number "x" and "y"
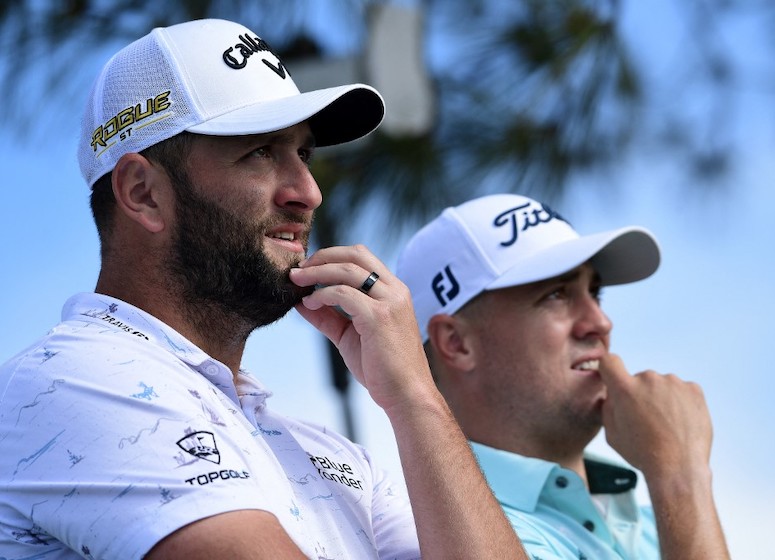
{"x": 507, "y": 297}
{"x": 131, "y": 429}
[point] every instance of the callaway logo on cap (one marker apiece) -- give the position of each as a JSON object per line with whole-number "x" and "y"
{"x": 211, "y": 77}
{"x": 505, "y": 240}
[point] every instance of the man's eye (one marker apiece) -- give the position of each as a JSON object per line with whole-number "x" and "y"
{"x": 306, "y": 156}
{"x": 261, "y": 152}
{"x": 557, "y": 293}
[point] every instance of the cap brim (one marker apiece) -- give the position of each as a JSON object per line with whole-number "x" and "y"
{"x": 619, "y": 257}
{"x": 336, "y": 115}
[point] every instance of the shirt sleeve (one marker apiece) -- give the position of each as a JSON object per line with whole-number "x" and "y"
{"x": 395, "y": 532}
{"x": 391, "y": 519}
{"x": 109, "y": 461}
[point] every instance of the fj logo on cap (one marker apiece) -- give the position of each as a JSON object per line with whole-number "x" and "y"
{"x": 247, "y": 47}
{"x": 445, "y": 284}
{"x": 532, "y": 218}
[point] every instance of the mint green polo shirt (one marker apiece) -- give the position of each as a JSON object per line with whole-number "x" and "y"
{"x": 557, "y": 518}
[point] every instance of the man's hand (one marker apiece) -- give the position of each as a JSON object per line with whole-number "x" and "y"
{"x": 454, "y": 510}
{"x": 658, "y": 423}
{"x": 379, "y": 341}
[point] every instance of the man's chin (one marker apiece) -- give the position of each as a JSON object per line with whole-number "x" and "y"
{"x": 263, "y": 313}
{"x": 284, "y": 260}
{"x": 301, "y": 292}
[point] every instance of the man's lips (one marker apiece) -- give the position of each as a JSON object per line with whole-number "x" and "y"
{"x": 291, "y": 236}
{"x": 588, "y": 364}
{"x": 287, "y": 235}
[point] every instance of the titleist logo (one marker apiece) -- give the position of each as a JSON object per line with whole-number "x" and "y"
{"x": 511, "y": 217}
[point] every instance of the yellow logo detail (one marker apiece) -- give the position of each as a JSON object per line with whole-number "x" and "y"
{"x": 121, "y": 123}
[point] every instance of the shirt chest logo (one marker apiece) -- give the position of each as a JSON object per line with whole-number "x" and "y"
{"x": 336, "y": 472}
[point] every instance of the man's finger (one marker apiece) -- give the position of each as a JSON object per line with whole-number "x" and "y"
{"x": 612, "y": 370}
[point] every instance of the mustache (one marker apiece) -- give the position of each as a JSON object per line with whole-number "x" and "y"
{"x": 286, "y": 217}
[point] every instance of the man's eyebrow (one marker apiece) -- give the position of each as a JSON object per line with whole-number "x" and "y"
{"x": 573, "y": 275}
{"x": 283, "y": 137}
{"x": 288, "y": 137}
{"x": 569, "y": 276}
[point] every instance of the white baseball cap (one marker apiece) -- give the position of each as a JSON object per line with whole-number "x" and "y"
{"x": 212, "y": 77}
{"x": 505, "y": 240}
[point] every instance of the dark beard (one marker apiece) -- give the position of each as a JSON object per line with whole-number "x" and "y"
{"x": 221, "y": 270}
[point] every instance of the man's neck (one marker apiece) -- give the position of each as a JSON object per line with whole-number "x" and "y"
{"x": 220, "y": 335}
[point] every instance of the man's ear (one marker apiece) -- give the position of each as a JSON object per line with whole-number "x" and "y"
{"x": 451, "y": 338}
{"x": 142, "y": 192}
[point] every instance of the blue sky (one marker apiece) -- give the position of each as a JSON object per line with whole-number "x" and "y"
{"x": 705, "y": 315}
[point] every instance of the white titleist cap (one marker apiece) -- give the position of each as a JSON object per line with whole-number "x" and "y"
{"x": 211, "y": 77}
{"x": 506, "y": 240}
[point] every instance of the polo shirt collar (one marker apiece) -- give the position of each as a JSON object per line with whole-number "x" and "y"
{"x": 129, "y": 320}
{"x": 502, "y": 468}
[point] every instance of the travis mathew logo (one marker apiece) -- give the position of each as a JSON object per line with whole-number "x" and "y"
{"x": 511, "y": 219}
{"x": 201, "y": 445}
{"x": 108, "y": 318}
{"x": 237, "y": 56}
